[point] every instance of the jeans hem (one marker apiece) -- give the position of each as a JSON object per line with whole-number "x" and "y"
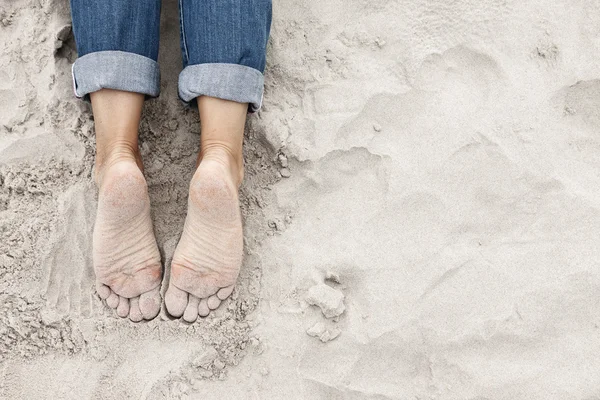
{"x": 113, "y": 69}
{"x": 224, "y": 81}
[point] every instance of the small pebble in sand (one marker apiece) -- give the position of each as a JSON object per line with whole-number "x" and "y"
{"x": 328, "y": 299}
{"x": 283, "y": 161}
{"x": 19, "y": 185}
{"x": 61, "y": 36}
{"x": 64, "y": 32}
{"x": 325, "y": 335}
{"x": 332, "y": 277}
{"x": 157, "y": 165}
{"x": 145, "y": 148}
{"x": 316, "y": 329}
{"x": 376, "y": 127}
{"x": 285, "y": 173}
{"x": 49, "y": 317}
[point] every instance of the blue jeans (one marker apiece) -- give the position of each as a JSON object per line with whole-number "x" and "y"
{"x": 223, "y": 43}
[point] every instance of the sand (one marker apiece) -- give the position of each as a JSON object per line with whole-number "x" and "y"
{"x": 436, "y": 164}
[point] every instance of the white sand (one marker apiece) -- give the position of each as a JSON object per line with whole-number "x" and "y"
{"x": 443, "y": 173}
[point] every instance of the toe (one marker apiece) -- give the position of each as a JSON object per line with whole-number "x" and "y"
{"x": 203, "y": 309}
{"x": 112, "y": 300}
{"x": 123, "y": 307}
{"x": 176, "y": 301}
{"x": 150, "y": 303}
{"x": 134, "y": 310}
{"x": 213, "y": 302}
{"x": 103, "y": 290}
{"x": 191, "y": 311}
{"x": 225, "y": 292}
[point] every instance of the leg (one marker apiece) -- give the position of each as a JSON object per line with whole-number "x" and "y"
{"x": 224, "y": 61}
{"x": 117, "y": 69}
{"x": 209, "y": 255}
{"x": 126, "y": 258}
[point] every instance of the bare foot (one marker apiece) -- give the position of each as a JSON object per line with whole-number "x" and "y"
{"x": 126, "y": 258}
{"x": 208, "y": 258}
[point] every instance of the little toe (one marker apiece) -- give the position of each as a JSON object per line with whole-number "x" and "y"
{"x": 224, "y": 293}
{"x": 213, "y": 302}
{"x": 150, "y": 303}
{"x": 102, "y": 290}
{"x": 203, "y": 309}
{"x": 176, "y": 301}
{"x": 191, "y": 311}
{"x": 135, "y": 314}
{"x": 112, "y": 300}
{"x": 123, "y": 307}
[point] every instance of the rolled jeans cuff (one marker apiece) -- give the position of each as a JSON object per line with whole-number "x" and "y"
{"x": 224, "y": 81}
{"x": 117, "y": 70}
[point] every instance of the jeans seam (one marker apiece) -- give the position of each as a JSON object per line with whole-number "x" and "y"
{"x": 185, "y": 49}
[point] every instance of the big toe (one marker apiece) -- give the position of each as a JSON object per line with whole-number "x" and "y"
{"x": 176, "y": 301}
{"x": 150, "y": 303}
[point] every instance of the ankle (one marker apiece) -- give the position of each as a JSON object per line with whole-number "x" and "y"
{"x": 232, "y": 161}
{"x": 113, "y": 153}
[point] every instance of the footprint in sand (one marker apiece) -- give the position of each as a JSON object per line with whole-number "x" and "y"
{"x": 68, "y": 265}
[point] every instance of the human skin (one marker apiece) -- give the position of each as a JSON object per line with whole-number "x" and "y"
{"x": 208, "y": 257}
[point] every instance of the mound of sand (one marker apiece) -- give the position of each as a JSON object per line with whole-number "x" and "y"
{"x": 421, "y": 211}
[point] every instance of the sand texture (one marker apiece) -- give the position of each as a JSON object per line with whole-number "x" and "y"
{"x": 434, "y": 163}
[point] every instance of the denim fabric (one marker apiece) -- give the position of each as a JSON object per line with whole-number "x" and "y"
{"x": 225, "y": 81}
{"x": 116, "y": 70}
{"x": 123, "y": 25}
{"x": 219, "y": 32}
{"x": 223, "y": 46}
{"x": 117, "y": 43}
